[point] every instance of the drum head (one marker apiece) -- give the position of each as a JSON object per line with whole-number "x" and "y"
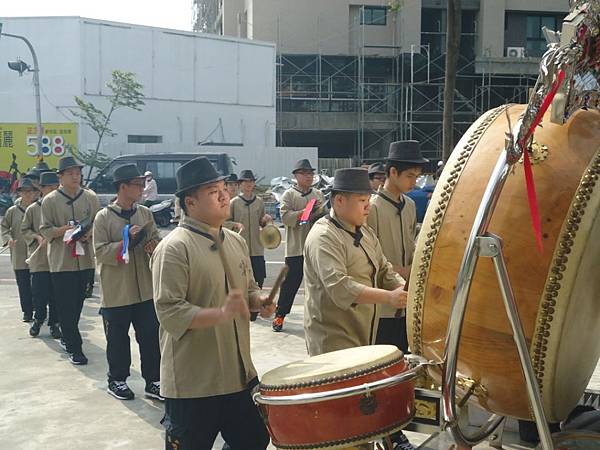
{"x": 330, "y": 366}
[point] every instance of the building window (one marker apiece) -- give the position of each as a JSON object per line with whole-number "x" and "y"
{"x": 143, "y": 139}
{"x": 163, "y": 169}
{"x": 536, "y": 42}
{"x": 373, "y": 15}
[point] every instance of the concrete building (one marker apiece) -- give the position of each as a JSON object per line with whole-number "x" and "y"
{"x": 202, "y": 92}
{"x": 354, "y": 75}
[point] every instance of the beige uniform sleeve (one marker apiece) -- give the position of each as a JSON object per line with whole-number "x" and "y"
{"x": 5, "y": 226}
{"x": 170, "y": 275}
{"x": 289, "y": 217}
{"x": 95, "y": 206}
{"x": 106, "y": 250}
{"x": 387, "y": 278}
{"x": 27, "y": 230}
{"x": 333, "y": 274}
{"x": 48, "y": 226}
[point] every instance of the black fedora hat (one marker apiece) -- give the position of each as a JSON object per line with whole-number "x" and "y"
{"x": 196, "y": 172}
{"x": 303, "y": 164}
{"x": 66, "y": 162}
{"x": 354, "y": 180}
{"x": 126, "y": 173}
{"x": 33, "y": 174}
{"x": 376, "y": 168}
{"x": 247, "y": 175}
{"x": 26, "y": 183}
{"x": 42, "y": 166}
{"x": 406, "y": 152}
{"x": 232, "y": 178}
{"x": 48, "y": 178}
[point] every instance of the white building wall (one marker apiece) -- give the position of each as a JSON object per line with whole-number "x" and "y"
{"x": 198, "y": 87}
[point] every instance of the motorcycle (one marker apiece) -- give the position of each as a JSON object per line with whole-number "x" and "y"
{"x": 163, "y": 213}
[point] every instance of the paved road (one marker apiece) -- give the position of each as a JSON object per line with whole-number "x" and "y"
{"x": 46, "y": 403}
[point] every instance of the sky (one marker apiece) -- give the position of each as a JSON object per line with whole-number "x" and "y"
{"x": 176, "y": 14}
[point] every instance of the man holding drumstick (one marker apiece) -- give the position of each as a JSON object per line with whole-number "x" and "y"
{"x": 204, "y": 291}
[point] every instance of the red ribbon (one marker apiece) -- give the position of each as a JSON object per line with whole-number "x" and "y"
{"x": 531, "y": 194}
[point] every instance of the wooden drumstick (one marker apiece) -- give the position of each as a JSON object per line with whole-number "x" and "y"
{"x": 278, "y": 282}
{"x": 28, "y": 260}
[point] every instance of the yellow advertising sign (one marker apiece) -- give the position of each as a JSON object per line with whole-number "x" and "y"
{"x": 18, "y": 149}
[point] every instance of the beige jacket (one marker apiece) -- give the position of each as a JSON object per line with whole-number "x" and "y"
{"x": 187, "y": 276}
{"x": 11, "y": 229}
{"x": 57, "y": 210}
{"x": 30, "y": 228}
{"x": 293, "y": 202}
{"x": 123, "y": 284}
{"x": 249, "y": 214}
{"x": 396, "y": 233}
{"x": 335, "y": 273}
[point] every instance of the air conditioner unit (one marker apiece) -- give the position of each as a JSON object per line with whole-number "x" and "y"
{"x": 515, "y": 52}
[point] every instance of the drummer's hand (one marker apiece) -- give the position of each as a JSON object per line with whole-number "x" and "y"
{"x": 40, "y": 240}
{"x": 398, "y": 297}
{"x": 133, "y": 230}
{"x": 12, "y": 243}
{"x": 266, "y": 311}
{"x": 266, "y": 219}
{"x": 237, "y": 227}
{"x": 235, "y": 306}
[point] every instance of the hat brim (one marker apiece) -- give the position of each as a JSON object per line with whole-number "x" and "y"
{"x": 355, "y": 191}
{"x": 81, "y": 166}
{"x": 303, "y": 168}
{"x": 246, "y": 179}
{"x": 410, "y": 161}
{"x": 214, "y": 180}
{"x": 122, "y": 180}
{"x": 33, "y": 188}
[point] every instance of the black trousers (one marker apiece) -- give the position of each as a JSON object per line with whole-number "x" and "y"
{"x": 392, "y": 331}
{"x": 193, "y": 424}
{"x": 69, "y": 292}
{"x": 259, "y": 269}
{"x": 23, "y": 278}
{"x": 118, "y": 350}
{"x": 291, "y": 284}
{"x": 43, "y": 298}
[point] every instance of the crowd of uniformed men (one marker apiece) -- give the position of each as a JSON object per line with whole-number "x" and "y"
{"x": 191, "y": 295}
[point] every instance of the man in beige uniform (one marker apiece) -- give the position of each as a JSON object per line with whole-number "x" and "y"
{"x": 393, "y": 217}
{"x": 376, "y": 175}
{"x": 347, "y": 275}
{"x": 203, "y": 310}
{"x": 249, "y": 210}
{"x": 41, "y": 285}
{"x": 67, "y": 210}
{"x": 293, "y": 203}
{"x": 11, "y": 236}
{"x": 127, "y": 283}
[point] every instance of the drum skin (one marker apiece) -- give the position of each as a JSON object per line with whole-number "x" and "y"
{"x": 340, "y": 423}
{"x": 557, "y": 291}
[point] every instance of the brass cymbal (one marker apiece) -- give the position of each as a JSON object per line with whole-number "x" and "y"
{"x": 270, "y": 236}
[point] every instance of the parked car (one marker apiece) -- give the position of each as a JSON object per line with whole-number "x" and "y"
{"x": 163, "y": 167}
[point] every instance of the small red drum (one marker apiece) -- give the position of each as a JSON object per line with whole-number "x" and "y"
{"x": 338, "y": 399}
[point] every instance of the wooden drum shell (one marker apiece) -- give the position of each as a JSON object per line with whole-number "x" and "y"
{"x": 557, "y": 292}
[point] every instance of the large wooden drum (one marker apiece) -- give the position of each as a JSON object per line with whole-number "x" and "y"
{"x": 557, "y": 292}
{"x": 342, "y": 422}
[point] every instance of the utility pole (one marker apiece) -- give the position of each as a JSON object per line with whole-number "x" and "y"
{"x": 36, "y": 86}
{"x": 452, "y": 52}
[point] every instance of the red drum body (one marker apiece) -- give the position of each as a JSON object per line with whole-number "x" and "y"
{"x": 341, "y": 422}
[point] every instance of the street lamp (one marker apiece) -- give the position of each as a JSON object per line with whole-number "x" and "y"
{"x": 21, "y": 67}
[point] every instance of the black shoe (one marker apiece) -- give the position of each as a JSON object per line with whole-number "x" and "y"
{"x": 35, "y": 328}
{"x": 401, "y": 442}
{"x": 55, "y": 331}
{"x": 120, "y": 390}
{"x": 253, "y": 316}
{"x": 153, "y": 391}
{"x": 78, "y": 358}
{"x": 63, "y": 345}
{"x": 89, "y": 291}
{"x": 27, "y": 318}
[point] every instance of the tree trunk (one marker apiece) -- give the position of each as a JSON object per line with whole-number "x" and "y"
{"x": 452, "y": 50}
